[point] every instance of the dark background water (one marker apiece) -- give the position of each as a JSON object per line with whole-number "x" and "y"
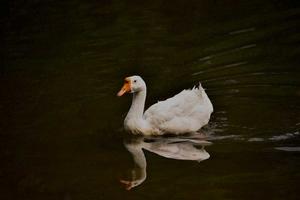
{"x": 61, "y": 122}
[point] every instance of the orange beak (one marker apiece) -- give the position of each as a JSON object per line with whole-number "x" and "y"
{"x": 126, "y": 88}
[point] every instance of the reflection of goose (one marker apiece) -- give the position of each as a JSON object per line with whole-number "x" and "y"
{"x": 186, "y": 112}
{"x": 174, "y": 148}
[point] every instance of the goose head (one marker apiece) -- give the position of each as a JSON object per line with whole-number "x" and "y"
{"x": 132, "y": 84}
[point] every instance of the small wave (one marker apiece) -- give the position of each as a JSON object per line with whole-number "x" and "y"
{"x": 290, "y": 149}
{"x": 256, "y": 140}
{"x": 224, "y": 53}
{"x": 284, "y": 136}
{"x": 242, "y": 31}
{"x": 236, "y": 137}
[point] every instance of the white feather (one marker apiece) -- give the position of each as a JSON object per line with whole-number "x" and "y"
{"x": 186, "y": 112}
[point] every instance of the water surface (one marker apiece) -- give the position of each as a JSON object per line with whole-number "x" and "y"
{"x": 61, "y": 122}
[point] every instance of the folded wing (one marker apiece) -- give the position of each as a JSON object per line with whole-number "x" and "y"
{"x": 186, "y": 112}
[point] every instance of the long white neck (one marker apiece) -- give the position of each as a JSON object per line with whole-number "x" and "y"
{"x": 136, "y": 110}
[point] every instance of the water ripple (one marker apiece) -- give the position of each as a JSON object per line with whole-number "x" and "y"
{"x": 246, "y": 30}
{"x": 221, "y": 68}
{"x": 209, "y": 57}
{"x": 289, "y": 149}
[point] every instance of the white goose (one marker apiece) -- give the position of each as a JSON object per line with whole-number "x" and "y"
{"x": 185, "y": 112}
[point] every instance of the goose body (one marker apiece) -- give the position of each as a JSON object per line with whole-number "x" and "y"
{"x": 185, "y": 112}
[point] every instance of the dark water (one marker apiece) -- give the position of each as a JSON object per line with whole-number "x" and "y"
{"x": 61, "y": 122}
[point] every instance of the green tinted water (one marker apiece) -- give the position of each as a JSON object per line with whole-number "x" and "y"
{"x": 61, "y": 122}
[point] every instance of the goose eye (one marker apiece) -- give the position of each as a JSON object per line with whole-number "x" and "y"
{"x": 135, "y": 81}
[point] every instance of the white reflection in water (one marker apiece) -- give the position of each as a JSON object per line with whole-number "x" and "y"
{"x": 179, "y": 148}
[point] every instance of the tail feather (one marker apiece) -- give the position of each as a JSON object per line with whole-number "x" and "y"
{"x": 198, "y": 89}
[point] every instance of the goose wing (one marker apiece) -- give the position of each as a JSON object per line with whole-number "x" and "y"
{"x": 187, "y": 111}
